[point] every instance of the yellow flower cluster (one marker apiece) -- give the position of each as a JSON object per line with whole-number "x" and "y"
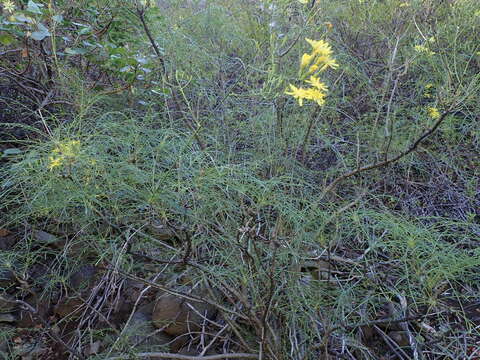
{"x": 433, "y": 113}
{"x": 64, "y": 153}
{"x": 423, "y": 49}
{"x": 311, "y": 65}
{"x": 427, "y": 93}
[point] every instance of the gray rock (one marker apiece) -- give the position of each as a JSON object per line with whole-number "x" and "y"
{"x": 139, "y": 329}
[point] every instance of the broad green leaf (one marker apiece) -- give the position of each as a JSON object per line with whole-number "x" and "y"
{"x": 85, "y": 30}
{"x": 23, "y": 18}
{"x": 33, "y": 7}
{"x": 125, "y": 69}
{"x": 57, "y": 18}
{"x": 76, "y": 51}
{"x": 41, "y": 32}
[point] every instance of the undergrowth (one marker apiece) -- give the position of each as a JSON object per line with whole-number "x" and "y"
{"x": 314, "y": 243}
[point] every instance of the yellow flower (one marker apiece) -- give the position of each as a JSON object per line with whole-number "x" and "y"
{"x": 326, "y": 62}
{"x": 54, "y": 162}
{"x": 427, "y": 93}
{"x": 66, "y": 151}
{"x": 297, "y": 93}
{"x": 329, "y": 25}
{"x": 8, "y": 6}
{"x": 315, "y": 95}
{"x": 306, "y": 59}
{"x": 313, "y": 68}
{"x": 316, "y": 83}
{"x": 433, "y": 113}
{"x": 320, "y": 47}
{"x": 423, "y": 49}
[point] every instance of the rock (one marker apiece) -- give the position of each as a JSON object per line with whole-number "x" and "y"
{"x": 141, "y": 326}
{"x": 7, "y": 303}
{"x": 83, "y": 278}
{"x": 176, "y": 315}
{"x": 7, "y": 277}
{"x": 8, "y": 318}
{"x": 69, "y": 307}
{"x": 45, "y": 238}
{"x": 27, "y": 320}
{"x": 400, "y": 337}
{"x": 160, "y": 230}
{"x": 7, "y": 242}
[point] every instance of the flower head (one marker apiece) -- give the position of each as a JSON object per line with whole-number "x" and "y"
{"x": 306, "y": 60}
{"x": 320, "y": 47}
{"x": 433, "y": 113}
{"x": 64, "y": 152}
{"x": 316, "y": 83}
{"x": 317, "y": 61}
{"x": 325, "y": 62}
{"x": 54, "y": 162}
{"x": 8, "y": 6}
{"x": 424, "y": 49}
{"x": 297, "y": 93}
{"x": 315, "y": 95}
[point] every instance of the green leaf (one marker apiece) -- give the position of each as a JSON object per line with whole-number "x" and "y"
{"x": 6, "y": 39}
{"x": 57, "y": 18}
{"x": 23, "y": 18}
{"x": 76, "y": 51}
{"x": 41, "y": 32}
{"x": 125, "y": 69}
{"x": 85, "y": 30}
{"x": 33, "y": 7}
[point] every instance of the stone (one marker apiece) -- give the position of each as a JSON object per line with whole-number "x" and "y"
{"x": 69, "y": 307}
{"x": 160, "y": 230}
{"x": 176, "y": 316}
{"x": 141, "y": 326}
{"x": 45, "y": 238}
{"x": 400, "y": 337}
{"x": 7, "y": 277}
{"x": 83, "y": 278}
{"x": 26, "y": 319}
{"x": 7, "y": 242}
{"x": 7, "y": 303}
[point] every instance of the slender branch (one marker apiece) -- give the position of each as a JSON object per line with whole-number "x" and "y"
{"x": 386, "y": 162}
{"x": 141, "y": 16}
